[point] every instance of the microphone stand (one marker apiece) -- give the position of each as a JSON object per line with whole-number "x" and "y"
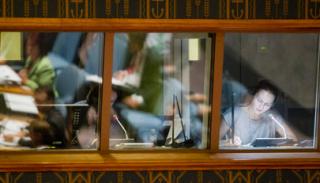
{"x": 279, "y": 124}
{"x": 187, "y": 142}
{"x": 232, "y": 117}
{"x": 173, "y": 117}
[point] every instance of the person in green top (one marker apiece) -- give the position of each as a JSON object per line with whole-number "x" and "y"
{"x": 38, "y": 71}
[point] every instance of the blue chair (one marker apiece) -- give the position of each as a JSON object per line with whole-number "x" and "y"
{"x": 68, "y": 81}
{"x": 66, "y": 45}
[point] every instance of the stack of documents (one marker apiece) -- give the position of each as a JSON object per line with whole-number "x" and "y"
{"x": 20, "y": 103}
{"x": 8, "y": 75}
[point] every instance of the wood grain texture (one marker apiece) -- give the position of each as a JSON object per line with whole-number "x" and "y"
{"x": 195, "y": 25}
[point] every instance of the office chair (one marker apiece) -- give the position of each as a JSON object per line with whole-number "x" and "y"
{"x": 68, "y": 81}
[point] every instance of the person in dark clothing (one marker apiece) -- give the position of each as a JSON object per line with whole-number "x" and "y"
{"x": 44, "y": 98}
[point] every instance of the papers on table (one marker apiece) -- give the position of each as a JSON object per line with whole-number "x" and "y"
{"x": 11, "y": 128}
{"x": 8, "y": 75}
{"x": 20, "y": 103}
{"x": 131, "y": 80}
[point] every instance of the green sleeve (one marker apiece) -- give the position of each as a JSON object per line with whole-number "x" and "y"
{"x": 42, "y": 76}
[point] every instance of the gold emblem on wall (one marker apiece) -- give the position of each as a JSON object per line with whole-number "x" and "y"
{"x": 157, "y": 9}
{"x": 35, "y": 7}
{"x": 313, "y": 176}
{"x": 4, "y": 177}
{"x": 285, "y": 8}
{"x": 61, "y": 8}
{"x": 77, "y": 12}
{"x": 160, "y": 177}
{"x": 121, "y": 8}
{"x": 240, "y": 176}
{"x": 125, "y": 7}
{"x": 197, "y": 8}
{"x": 206, "y": 8}
{"x": 312, "y": 9}
{"x": 35, "y": 4}
{"x": 237, "y": 9}
{"x": 108, "y": 7}
{"x": 26, "y": 8}
{"x": 276, "y": 8}
{"x": 45, "y": 8}
{"x": 79, "y": 177}
{"x": 189, "y": 8}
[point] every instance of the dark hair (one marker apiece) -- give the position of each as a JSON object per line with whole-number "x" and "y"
{"x": 48, "y": 90}
{"x": 44, "y": 40}
{"x": 266, "y": 85}
{"x": 93, "y": 96}
{"x": 43, "y": 129}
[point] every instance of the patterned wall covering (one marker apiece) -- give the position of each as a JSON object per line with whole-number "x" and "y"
{"x": 232, "y": 176}
{"x": 163, "y": 9}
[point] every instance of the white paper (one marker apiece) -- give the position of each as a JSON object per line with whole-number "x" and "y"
{"x": 11, "y": 127}
{"x": 20, "y": 103}
{"x": 8, "y": 75}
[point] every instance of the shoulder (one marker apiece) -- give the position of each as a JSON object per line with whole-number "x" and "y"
{"x": 236, "y": 109}
{"x": 45, "y": 62}
{"x": 236, "y": 112}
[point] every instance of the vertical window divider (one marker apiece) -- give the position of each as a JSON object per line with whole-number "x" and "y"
{"x": 316, "y": 116}
{"x": 106, "y": 93}
{"x": 218, "y": 51}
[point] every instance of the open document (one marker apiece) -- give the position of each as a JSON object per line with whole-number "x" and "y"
{"x": 8, "y": 75}
{"x": 20, "y": 103}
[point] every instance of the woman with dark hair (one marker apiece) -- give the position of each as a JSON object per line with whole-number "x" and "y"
{"x": 38, "y": 71}
{"x": 255, "y": 119}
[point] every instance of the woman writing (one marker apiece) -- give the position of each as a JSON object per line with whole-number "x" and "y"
{"x": 255, "y": 119}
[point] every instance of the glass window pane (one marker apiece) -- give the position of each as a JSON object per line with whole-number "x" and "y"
{"x": 269, "y": 93}
{"x": 50, "y": 90}
{"x": 161, "y": 90}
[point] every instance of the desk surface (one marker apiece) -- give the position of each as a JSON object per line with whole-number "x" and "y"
{"x": 16, "y": 89}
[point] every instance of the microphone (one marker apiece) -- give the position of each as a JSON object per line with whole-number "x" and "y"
{"x": 279, "y": 124}
{"x": 122, "y": 127}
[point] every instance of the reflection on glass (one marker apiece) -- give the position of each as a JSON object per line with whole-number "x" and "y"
{"x": 160, "y": 96}
{"x": 50, "y": 92}
{"x": 269, "y": 91}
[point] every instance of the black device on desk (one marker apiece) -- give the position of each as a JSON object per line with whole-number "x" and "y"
{"x": 78, "y": 117}
{"x": 269, "y": 142}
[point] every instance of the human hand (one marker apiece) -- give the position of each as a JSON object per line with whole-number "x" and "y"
{"x": 236, "y": 141}
{"x": 132, "y": 101}
{"x": 197, "y": 97}
{"x": 203, "y": 109}
{"x": 120, "y": 75}
{"x": 23, "y": 73}
{"x": 8, "y": 137}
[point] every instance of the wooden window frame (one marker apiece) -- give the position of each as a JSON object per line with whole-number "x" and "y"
{"x": 108, "y": 160}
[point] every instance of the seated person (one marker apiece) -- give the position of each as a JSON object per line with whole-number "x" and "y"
{"x": 87, "y": 134}
{"x": 38, "y": 70}
{"x": 145, "y": 100}
{"x": 254, "y": 119}
{"x": 44, "y": 98}
{"x": 41, "y": 135}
